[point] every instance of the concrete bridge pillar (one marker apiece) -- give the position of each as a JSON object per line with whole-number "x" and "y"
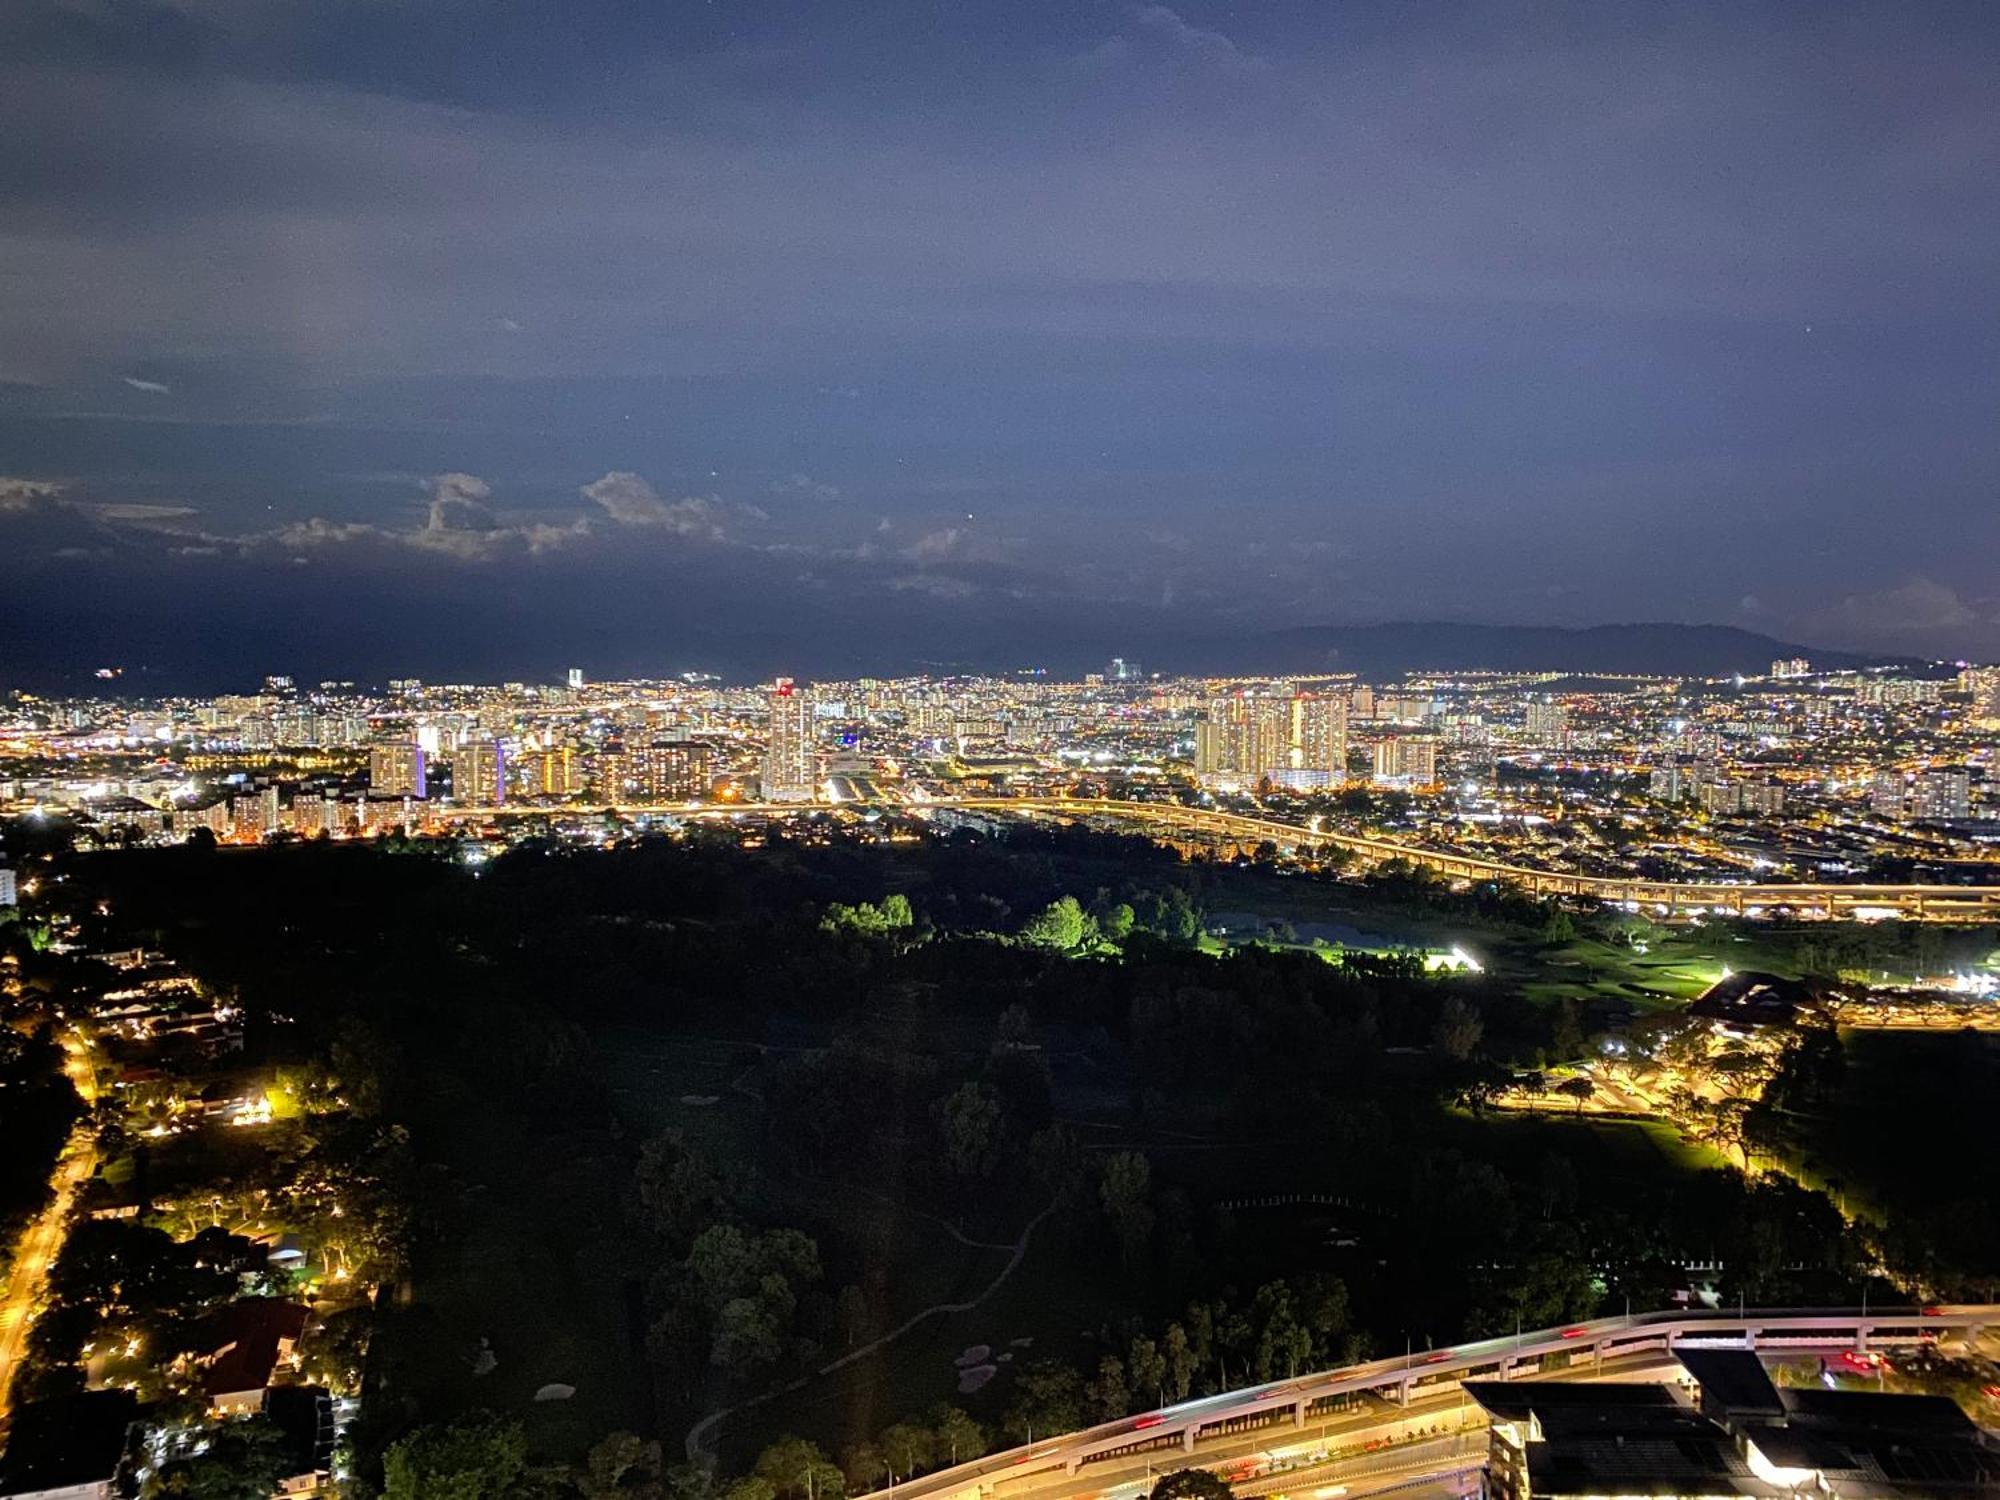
{"x": 1299, "y": 1412}
{"x": 1403, "y": 1391}
{"x": 1188, "y": 1436}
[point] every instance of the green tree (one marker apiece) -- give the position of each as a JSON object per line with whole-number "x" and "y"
{"x": 240, "y": 1460}
{"x": 970, "y": 1123}
{"x": 1458, "y": 1029}
{"x": 679, "y": 1193}
{"x": 797, "y": 1468}
{"x": 1149, "y": 1369}
{"x": 1048, "y": 1399}
{"x": 865, "y": 1467}
{"x": 959, "y": 1438}
{"x": 479, "y": 1456}
{"x": 1124, "y": 1190}
{"x": 1109, "y": 1394}
{"x": 1323, "y": 1308}
{"x": 1062, "y": 925}
{"x": 909, "y": 1447}
{"x": 621, "y": 1466}
{"x": 750, "y": 1331}
{"x": 1179, "y": 1357}
{"x": 1192, "y": 1484}
{"x": 1117, "y": 922}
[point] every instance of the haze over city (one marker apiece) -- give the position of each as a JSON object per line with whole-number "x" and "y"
{"x": 449, "y": 338}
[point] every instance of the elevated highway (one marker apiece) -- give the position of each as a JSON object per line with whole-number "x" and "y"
{"x": 1174, "y": 823}
{"x": 1214, "y": 1430}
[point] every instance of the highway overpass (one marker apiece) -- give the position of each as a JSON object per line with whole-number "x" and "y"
{"x": 1173, "y": 823}
{"x": 1200, "y": 1432}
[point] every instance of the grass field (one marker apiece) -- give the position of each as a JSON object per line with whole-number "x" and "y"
{"x": 1631, "y": 1153}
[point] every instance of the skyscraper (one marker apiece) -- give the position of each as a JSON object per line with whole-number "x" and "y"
{"x": 1547, "y": 723}
{"x": 790, "y": 762}
{"x": 1406, "y": 759}
{"x": 396, "y": 770}
{"x": 1943, "y": 794}
{"x": 1319, "y": 733}
{"x": 479, "y": 774}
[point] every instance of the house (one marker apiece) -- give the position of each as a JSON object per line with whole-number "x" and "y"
{"x": 1744, "y": 1002}
{"x": 68, "y": 1448}
{"x": 242, "y": 1345}
{"x": 285, "y": 1252}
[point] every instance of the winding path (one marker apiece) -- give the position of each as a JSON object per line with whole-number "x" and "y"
{"x": 700, "y": 1435}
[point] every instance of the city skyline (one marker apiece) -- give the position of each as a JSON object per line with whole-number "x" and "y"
{"x": 952, "y": 337}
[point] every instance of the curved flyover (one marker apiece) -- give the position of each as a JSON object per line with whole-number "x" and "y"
{"x": 1945, "y": 903}
{"x": 1062, "y": 1466}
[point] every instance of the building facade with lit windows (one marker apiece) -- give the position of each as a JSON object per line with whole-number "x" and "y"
{"x": 479, "y": 774}
{"x": 791, "y": 753}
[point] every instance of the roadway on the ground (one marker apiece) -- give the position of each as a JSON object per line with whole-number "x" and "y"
{"x": 39, "y": 1245}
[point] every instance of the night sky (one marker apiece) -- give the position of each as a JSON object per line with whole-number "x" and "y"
{"x": 479, "y": 337}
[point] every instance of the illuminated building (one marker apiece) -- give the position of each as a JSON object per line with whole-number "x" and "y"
{"x": 316, "y": 815}
{"x": 556, "y": 773}
{"x": 1791, "y": 666}
{"x": 1943, "y": 795}
{"x": 1406, "y": 759}
{"x": 1547, "y": 724}
{"x": 1982, "y": 686}
{"x": 664, "y": 771}
{"x": 254, "y": 814}
{"x": 1889, "y": 691}
{"x": 790, "y": 759}
{"x": 1887, "y": 794}
{"x": 396, "y": 770}
{"x": 1319, "y": 733}
{"x": 1764, "y": 798}
{"x": 479, "y": 774}
{"x": 214, "y": 816}
{"x": 1212, "y": 746}
{"x": 10, "y": 890}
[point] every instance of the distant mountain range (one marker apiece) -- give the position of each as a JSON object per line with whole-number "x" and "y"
{"x": 1391, "y": 649}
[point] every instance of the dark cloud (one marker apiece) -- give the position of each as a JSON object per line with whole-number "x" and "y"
{"x": 1288, "y": 312}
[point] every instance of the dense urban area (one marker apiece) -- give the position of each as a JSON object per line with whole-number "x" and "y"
{"x": 781, "y": 1091}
